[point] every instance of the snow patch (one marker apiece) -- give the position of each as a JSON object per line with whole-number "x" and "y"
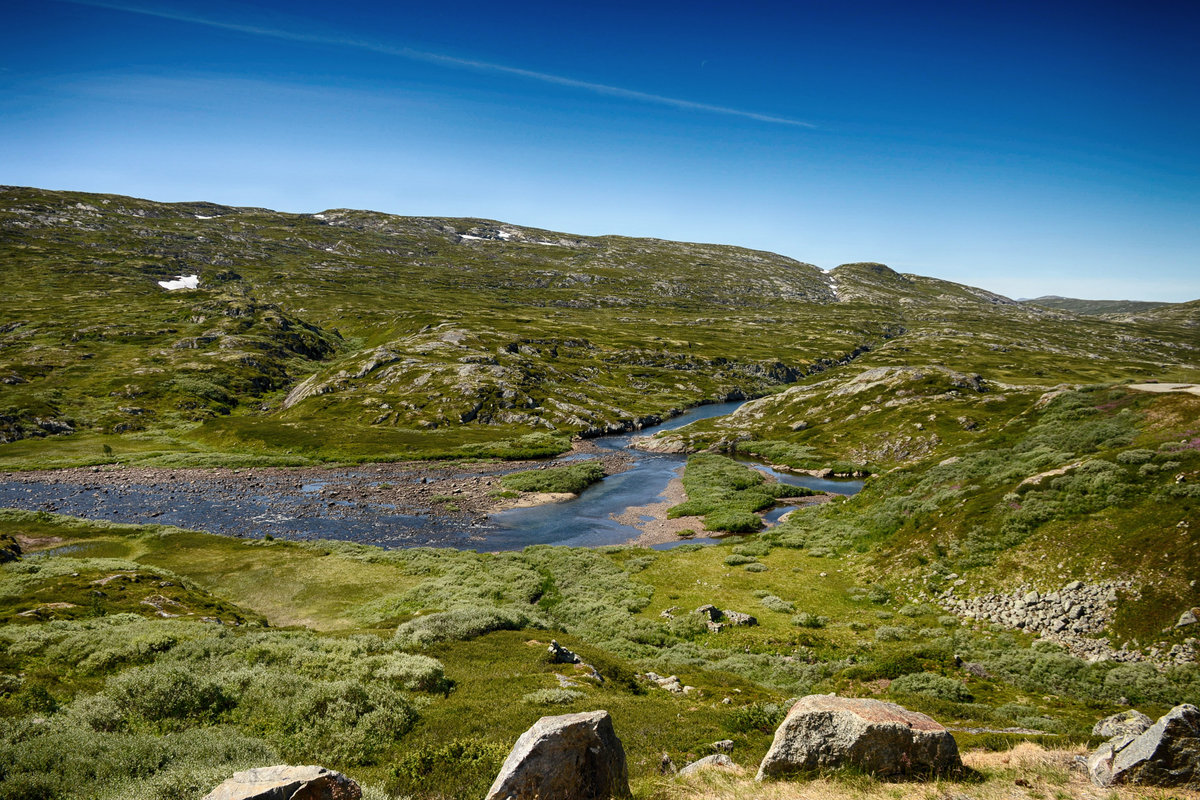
{"x": 505, "y": 235}
{"x": 181, "y": 282}
{"x": 320, "y": 216}
{"x": 201, "y": 216}
{"x": 469, "y": 236}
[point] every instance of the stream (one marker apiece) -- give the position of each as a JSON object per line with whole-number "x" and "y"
{"x": 259, "y": 506}
{"x": 588, "y": 521}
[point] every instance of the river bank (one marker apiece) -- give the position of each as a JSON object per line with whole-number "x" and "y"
{"x": 460, "y": 504}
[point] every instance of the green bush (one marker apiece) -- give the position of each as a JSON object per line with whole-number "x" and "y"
{"x": 756, "y": 567}
{"x": 763, "y": 717}
{"x": 457, "y": 626}
{"x": 460, "y": 768}
{"x": 774, "y": 603}
{"x": 930, "y": 684}
{"x": 737, "y": 559}
{"x": 552, "y": 697}
{"x": 890, "y": 633}
{"x": 168, "y": 692}
{"x": 806, "y": 620}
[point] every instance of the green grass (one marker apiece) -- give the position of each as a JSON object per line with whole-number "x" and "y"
{"x": 572, "y": 478}
{"x": 727, "y": 494}
{"x": 96, "y": 673}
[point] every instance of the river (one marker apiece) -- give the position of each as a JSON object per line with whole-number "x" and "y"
{"x": 260, "y": 505}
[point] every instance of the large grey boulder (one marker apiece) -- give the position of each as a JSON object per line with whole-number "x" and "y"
{"x": 1123, "y": 723}
{"x": 1165, "y": 754}
{"x": 566, "y": 757}
{"x": 824, "y": 731}
{"x": 287, "y": 783}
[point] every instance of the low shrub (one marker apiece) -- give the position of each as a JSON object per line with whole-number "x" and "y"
{"x": 552, "y": 697}
{"x": 457, "y": 626}
{"x": 775, "y": 603}
{"x": 764, "y": 717}
{"x": 930, "y": 684}
{"x": 460, "y": 768}
{"x": 890, "y": 633}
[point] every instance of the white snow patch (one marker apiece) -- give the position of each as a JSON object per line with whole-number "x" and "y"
{"x": 181, "y": 282}
{"x": 833, "y": 287}
{"x": 201, "y": 216}
{"x": 551, "y": 244}
{"x": 505, "y": 235}
{"x": 469, "y": 236}
{"x": 320, "y": 216}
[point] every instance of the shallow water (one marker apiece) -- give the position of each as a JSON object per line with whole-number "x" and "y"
{"x": 292, "y": 511}
{"x": 587, "y": 521}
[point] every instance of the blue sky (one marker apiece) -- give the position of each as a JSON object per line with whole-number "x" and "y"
{"x": 1029, "y": 148}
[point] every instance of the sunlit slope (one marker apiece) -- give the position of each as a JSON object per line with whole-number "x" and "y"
{"x": 354, "y": 334}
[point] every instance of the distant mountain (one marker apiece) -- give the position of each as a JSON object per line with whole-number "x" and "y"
{"x": 1093, "y": 307}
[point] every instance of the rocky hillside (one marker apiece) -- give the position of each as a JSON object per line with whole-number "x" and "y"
{"x": 402, "y": 336}
{"x": 1093, "y": 307}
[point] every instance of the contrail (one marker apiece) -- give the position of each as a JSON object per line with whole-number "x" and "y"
{"x": 444, "y": 60}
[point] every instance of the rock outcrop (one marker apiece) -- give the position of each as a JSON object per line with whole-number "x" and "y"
{"x": 1123, "y": 723}
{"x": 826, "y": 731}
{"x": 1165, "y": 754}
{"x": 716, "y": 619}
{"x": 565, "y": 757}
{"x": 716, "y": 761}
{"x": 284, "y": 782}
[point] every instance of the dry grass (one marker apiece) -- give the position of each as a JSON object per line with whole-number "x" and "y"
{"x": 1027, "y": 772}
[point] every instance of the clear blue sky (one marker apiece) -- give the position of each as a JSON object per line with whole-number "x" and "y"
{"x": 1029, "y": 148}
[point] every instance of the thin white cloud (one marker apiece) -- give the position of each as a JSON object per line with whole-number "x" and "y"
{"x": 443, "y": 60}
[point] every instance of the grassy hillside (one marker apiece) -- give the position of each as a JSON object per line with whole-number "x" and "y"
{"x": 415, "y": 670}
{"x": 399, "y": 337}
{"x": 1093, "y": 307}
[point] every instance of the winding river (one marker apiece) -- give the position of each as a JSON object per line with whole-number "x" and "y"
{"x": 279, "y": 506}
{"x": 588, "y": 521}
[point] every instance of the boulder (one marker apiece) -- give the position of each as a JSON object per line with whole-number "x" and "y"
{"x": 717, "y": 761}
{"x": 565, "y": 757}
{"x": 1165, "y": 754}
{"x": 561, "y": 655}
{"x": 739, "y": 618}
{"x": 1188, "y": 617}
{"x": 1123, "y": 723}
{"x": 826, "y": 731}
{"x": 287, "y": 783}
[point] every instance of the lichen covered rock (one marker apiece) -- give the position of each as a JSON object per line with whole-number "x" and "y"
{"x": 565, "y": 757}
{"x": 826, "y": 731}
{"x": 285, "y": 782}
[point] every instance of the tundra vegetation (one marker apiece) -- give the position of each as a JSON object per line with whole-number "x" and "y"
{"x": 1004, "y": 444}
